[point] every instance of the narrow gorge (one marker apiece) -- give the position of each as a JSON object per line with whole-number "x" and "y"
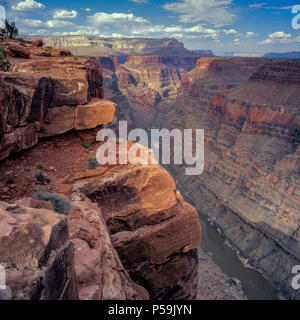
{"x": 248, "y": 108}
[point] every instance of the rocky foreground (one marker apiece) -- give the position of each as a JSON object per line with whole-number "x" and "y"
{"x": 126, "y": 232}
{"x": 249, "y": 109}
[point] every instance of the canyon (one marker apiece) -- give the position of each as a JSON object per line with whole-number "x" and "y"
{"x": 248, "y": 108}
{"x": 112, "y": 232}
{"x": 247, "y": 198}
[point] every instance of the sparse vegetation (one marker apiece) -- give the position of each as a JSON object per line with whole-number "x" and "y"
{"x": 60, "y": 204}
{"x": 67, "y": 181}
{"x": 75, "y": 57}
{"x": 42, "y": 177}
{"x": 93, "y": 163}
{"x": 40, "y": 166}
{"x": 4, "y": 63}
{"x": 10, "y": 179}
{"x": 87, "y": 145}
{"x": 48, "y": 48}
{"x": 10, "y": 31}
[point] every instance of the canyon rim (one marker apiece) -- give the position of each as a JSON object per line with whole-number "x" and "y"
{"x": 138, "y": 164}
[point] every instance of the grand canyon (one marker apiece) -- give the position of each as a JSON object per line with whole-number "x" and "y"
{"x": 134, "y": 232}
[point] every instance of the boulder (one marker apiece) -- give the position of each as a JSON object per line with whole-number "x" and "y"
{"x": 96, "y": 112}
{"x": 57, "y": 121}
{"x": 36, "y": 253}
{"x": 37, "y": 43}
{"x": 16, "y": 50}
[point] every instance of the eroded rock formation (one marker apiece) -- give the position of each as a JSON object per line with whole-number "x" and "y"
{"x": 97, "y": 46}
{"x": 49, "y": 96}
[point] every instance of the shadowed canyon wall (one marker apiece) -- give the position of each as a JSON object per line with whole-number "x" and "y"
{"x": 249, "y": 109}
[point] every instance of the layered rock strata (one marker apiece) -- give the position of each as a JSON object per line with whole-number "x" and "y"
{"x": 46, "y": 97}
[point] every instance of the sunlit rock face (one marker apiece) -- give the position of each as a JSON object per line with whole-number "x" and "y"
{"x": 45, "y": 97}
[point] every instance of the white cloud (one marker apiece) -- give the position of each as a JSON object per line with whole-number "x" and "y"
{"x": 27, "y": 5}
{"x": 87, "y": 9}
{"x": 250, "y": 34}
{"x": 230, "y": 31}
{"x": 65, "y": 14}
{"x": 215, "y": 12}
{"x": 278, "y": 37}
{"x": 101, "y": 18}
{"x": 33, "y": 23}
{"x": 58, "y": 24}
{"x": 139, "y": 1}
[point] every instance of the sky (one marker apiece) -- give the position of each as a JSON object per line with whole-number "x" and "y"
{"x": 246, "y": 26}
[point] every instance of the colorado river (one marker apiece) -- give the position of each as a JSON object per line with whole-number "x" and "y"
{"x": 254, "y": 285}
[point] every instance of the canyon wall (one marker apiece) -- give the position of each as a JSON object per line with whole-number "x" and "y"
{"x": 127, "y": 232}
{"x": 250, "y": 186}
{"x": 98, "y": 46}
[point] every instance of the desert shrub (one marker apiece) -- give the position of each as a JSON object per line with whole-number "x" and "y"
{"x": 67, "y": 181}
{"x": 42, "y": 177}
{"x": 10, "y": 179}
{"x": 93, "y": 163}
{"x": 48, "y": 48}
{"x": 4, "y": 63}
{"x": 87, "y": 144}
{"x": 60, "y": 204}
{"x": 75, "y": 57}
{"x": 40, "y": 166}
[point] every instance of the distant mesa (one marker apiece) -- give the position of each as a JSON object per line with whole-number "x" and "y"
{"x": 83, "y": 45}
{"x": 204, "y": 53}
{"x": 283, "y": 55}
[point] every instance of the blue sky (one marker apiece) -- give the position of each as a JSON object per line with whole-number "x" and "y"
{"x": 221, "y": 25}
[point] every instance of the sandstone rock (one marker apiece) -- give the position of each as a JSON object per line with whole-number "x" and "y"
{"x": 36, "y": 253}
{"x": 39, "y": 100}
{"x": 153, "y": 230}
{"x": 37, "y": 43}
{"x": 57, "y": 121}
{"x": 16, "y": 50}
{"x": 96, "y": 112}
{"x": 39, "y": 204}
{"x": 74, "y": 82}
{"x": 99, "y": 271}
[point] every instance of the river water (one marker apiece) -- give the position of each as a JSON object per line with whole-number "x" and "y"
{"x": 254, "y": 285}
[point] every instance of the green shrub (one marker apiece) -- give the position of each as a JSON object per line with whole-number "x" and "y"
{"x": 40, "y": 166}
{"x": 87, "y": 145}
{"x": 67, "y": 181}
{"x": 48, "y": 48}
{"x": 10, "y": 179}
{"x": 4, "y": 63}
{"x": 75, "y": 57}
{"x": 93, "y": 163}
{"x": 60, "y": 204}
